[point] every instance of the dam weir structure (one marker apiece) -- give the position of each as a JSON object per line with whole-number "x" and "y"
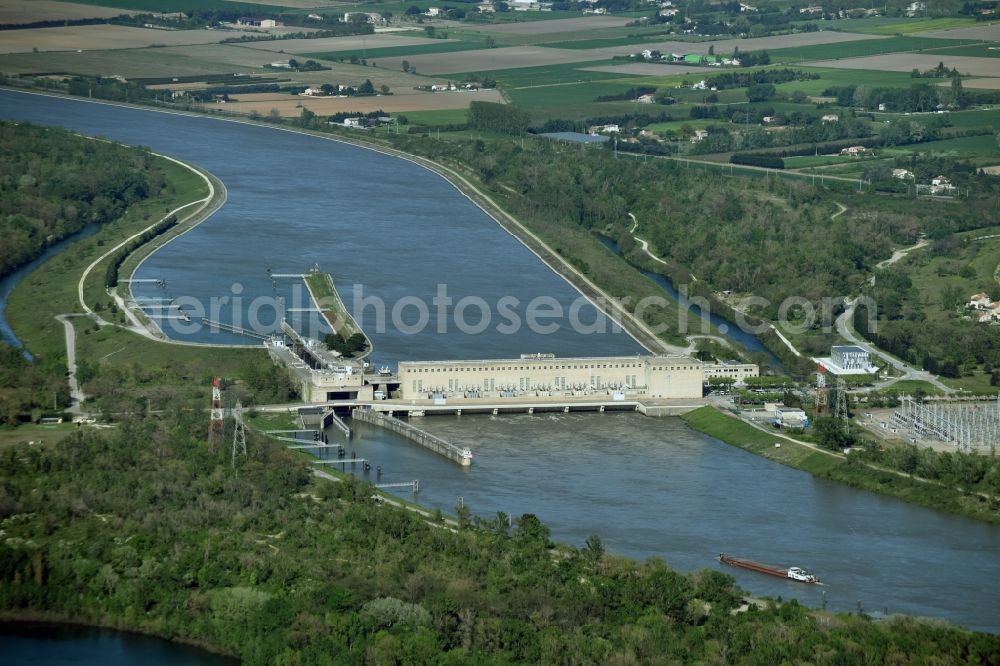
{"x": 423, "y": 438}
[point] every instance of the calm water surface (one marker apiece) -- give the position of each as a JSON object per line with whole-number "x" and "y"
{"x": 31, "y": 643}
{"x": 653, "y": 487}
{"x": 386, "y": 229}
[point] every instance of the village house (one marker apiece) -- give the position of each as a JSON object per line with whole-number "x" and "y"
{"x": 854, "y": 151}
{"x": 941, "y": 185}
{"x": 915, "y": 9}
{"x": 830, "y": 118}
{"x": 699, "y": 135}
{"x": 669, "y": 12}
{"x": 980, "y": 301}
{"x": 645, "y": 99}
{"x": 768, "y": 120}
{"x": 902, "y": 174}
{"x": 604, "y": 129}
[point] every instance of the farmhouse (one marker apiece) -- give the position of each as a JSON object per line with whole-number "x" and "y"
{"x": 830, "y": 118}
{"x": 941, "y": 185}
{"x": 980, "y": 301}
{"x": 902, "y": 174}
{"x": 854, "y": 151}
{"x": 699, "y": 135}
{"x": 256, "y": 22}
{"x": 604, "y": 129}
{"x": 988, "y": 308}
{"x": 645, "y": 99}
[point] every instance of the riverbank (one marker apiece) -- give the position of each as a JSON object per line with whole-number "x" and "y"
{"x": 842, "y": 468}
{"x": 114, "y": 355}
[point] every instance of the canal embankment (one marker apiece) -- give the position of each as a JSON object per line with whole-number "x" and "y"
{"x": 324, "y": 294}
{"x": 438, "y": 445}
{"x": 840, "y": 467}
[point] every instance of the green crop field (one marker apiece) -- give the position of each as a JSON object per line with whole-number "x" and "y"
{"x": 844, "y": 77}
{"x": 546, "y": 75}
{"x": 437, "y": 118}
{"x": 892, "y": 25}
{"x": 676, "y": 125}
{"x": 960, "y": 119}
{"x": 981, "y": 146}
{"x": 867, "y": 47}
{"x": 806, "y": 161}
{"x": 563, "y": 95}
{"x": 446, "y": 46}
{"x": 987, "y": 50}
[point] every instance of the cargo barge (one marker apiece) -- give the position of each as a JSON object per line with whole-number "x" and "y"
{"x": 790, "y": 573}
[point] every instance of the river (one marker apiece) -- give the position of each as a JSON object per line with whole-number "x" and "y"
{"x": 649, "y": 487}
{"x": 726, "y": 328}
{"x": 11, "y": 280}
{"x": 30, "y": 643}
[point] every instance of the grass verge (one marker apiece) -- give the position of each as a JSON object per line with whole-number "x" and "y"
{"x": 835, "y": 467}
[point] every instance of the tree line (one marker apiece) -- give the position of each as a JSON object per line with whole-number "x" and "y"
{"x": 275, "y": 566}
{"x": 53, "y": 183}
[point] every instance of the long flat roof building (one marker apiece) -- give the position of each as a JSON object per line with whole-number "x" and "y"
{"x": 546, "y": 375}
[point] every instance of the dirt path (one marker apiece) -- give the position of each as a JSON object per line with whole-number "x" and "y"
{"x": 75, "y": 393}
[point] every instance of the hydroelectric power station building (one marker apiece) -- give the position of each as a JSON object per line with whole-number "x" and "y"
{"x": 544, "y": 375}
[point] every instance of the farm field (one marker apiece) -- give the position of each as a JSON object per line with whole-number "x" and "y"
{"x": 904, "y": 62}
{"x": 126, "y": 62}
{"x": 806, "y": 161}
{"x": 655, "y": 69}
{"x": 726, "y": 46}
{"x": 549, "y": 75}
{"x": 87, "y": 37}
{"x": 960, "y": 119}
{"x": 988, "y": 50}
{"x": 487, "y": 60}
{"x": 21, "y": 11}
{"x": 983, "y": 84}
{"x": 844, "y": 77}
{"x": 439, "y": 117}
{"x": 894, "y": 25}
{"x": 374, "y": 55}
{"x": 986, "y": 33}
{"x": 980, "y": 146}
{"x": 555, "y": 26}
{"x": 292, "y": 105}
{"x": 861, "y": 48}
{"x": 349, "y": 43}
{"x": 185, "y": 5}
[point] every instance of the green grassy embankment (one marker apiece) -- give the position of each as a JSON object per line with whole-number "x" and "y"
{"x": 731, "y": 430}
{"x": 113, "y": 354}
{"x": 837, "y": 467}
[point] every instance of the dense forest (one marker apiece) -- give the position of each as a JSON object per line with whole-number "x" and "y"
{"x": 771, "y": 237}
{"x": 278, "y": 567}
{"x": 53, "y": 183}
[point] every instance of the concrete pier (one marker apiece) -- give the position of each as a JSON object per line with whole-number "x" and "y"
{"x": 425, "y": 439}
